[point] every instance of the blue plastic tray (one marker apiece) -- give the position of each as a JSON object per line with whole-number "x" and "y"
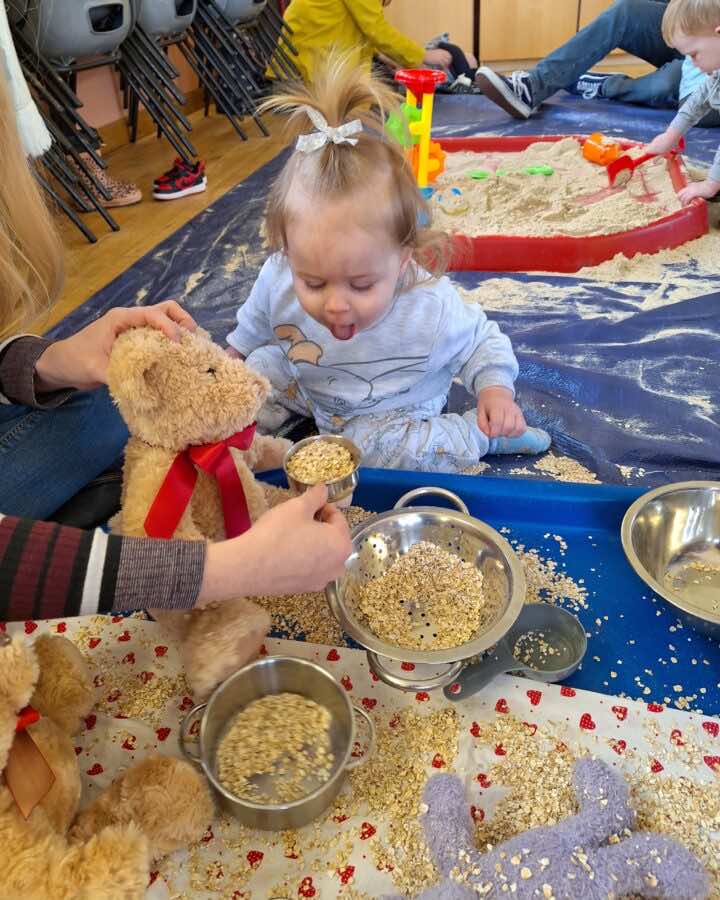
{"x": 633, "y": 634}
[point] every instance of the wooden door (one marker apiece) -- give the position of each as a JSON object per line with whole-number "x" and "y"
{"x": 421, "y": 20}
{"x": 524, "y": 29}
{"x": 591, "y": 9}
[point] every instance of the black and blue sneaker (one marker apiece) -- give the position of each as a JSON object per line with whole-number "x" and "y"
{"x": 588, "y": 85}
{"x": 513, "y": 93}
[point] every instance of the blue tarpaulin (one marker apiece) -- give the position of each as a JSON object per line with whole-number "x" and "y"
{"x": 618, "y": 381}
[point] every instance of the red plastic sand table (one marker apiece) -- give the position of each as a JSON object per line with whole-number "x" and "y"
{"x": 560, "y": 253}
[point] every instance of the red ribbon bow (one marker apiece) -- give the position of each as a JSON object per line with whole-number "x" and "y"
{"x": 26, "y": 717}
{"x": 177, "y": 488}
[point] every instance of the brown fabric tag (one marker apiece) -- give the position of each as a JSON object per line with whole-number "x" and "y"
{"x": 27, "y": 774}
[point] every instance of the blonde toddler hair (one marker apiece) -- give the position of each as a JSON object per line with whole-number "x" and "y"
{"x": 691, "y": 17}
{"x": 31, "y": 257}
{"x": 341, "y": 91}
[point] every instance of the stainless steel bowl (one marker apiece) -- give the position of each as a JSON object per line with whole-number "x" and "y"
{"x": 273, "y": 675}
{"x": 341, "y": 487}
{"x": 671, "y": 537}
{"x": 379, "y": 541}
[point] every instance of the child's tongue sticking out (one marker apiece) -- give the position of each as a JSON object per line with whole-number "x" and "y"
{"x": 346, "y": 265}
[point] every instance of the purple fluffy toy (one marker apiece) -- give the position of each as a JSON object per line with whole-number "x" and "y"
{"x": 568, "y": 861}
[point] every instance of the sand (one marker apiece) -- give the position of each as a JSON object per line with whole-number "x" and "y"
{"x": 563, "y": 203}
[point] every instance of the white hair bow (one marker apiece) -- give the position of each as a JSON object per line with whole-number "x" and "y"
{"x": 309, "y": 143}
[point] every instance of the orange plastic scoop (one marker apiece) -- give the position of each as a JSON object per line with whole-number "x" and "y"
{"x": 598, "y": 148}
{"x": 622, "y": 169}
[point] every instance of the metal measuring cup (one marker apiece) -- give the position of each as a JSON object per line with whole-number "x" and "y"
{"x": 546, "y": 643}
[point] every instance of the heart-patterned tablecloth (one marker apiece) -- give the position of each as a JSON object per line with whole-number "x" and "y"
{"x": 369, "y": 842}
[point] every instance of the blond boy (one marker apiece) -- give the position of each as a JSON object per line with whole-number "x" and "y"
{"x": 693, "y": 28}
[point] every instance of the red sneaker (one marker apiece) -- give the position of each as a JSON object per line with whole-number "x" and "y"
{"x": 179, "y": 167}
{"x": 185, "y": 182}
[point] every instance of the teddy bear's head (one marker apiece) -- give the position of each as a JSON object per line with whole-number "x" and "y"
{"x": 174, "y": 395}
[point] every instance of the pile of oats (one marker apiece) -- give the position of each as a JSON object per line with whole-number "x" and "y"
{"x": 391, "y": 785}
{"x": 428, "y": 599}
{"x": 546, "y": 582}
{"x": 536, "y": 770}
{"x": 320, "y": 462}
{"x": 563, "y": 468}
{"x": 283, "y": 741}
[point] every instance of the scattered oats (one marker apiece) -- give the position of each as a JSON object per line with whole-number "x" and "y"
{"x": 545, "y": 582}
{"x": 563, "y": 468}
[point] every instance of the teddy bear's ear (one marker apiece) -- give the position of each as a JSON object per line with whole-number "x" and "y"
{"x": 133, "y": 366}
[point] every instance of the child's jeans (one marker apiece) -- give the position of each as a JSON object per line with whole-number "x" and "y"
{"x": 420, "y": 438}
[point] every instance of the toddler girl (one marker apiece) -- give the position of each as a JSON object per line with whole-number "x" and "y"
{"x": 343, "y": 320}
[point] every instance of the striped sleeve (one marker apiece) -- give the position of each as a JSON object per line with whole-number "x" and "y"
{"x": 52, "y": 571}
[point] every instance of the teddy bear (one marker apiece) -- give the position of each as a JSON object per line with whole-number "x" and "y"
{"x": 593, "y": 854}
{"x": 47, "y": 850}
{"x": 188, "y": 473}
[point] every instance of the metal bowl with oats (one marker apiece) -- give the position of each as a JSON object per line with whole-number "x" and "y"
{"x": 383, "y": 541}
{"x": 263, "y": 678}
{"x": 671, "y": 537}
{"x": 327, "y": 459}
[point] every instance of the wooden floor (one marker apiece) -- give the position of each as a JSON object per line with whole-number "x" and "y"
{"x": 229, "y": 161}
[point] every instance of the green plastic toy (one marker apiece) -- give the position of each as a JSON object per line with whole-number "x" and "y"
{"x": 539, "y": 170}
{"x": 397, "y": 125}
{"x": 482, "y": 174}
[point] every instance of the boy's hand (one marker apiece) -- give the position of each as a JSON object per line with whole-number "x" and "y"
{"x": 706, "y": 189}
{"x": 498, "y": 414}
{"x": 664, "y": 142}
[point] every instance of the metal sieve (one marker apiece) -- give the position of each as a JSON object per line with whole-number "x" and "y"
{"x": 379, "y": 541}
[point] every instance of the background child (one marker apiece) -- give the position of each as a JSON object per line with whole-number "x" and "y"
{"x": 344, "y": 322}
{"x": 693, "y": 27}
{"x": 357, "y": 27}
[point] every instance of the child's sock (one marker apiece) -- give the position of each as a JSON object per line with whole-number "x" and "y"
{"x": 533, "y": 441}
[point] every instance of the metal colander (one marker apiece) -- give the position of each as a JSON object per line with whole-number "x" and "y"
{"x": 381, "y": 540}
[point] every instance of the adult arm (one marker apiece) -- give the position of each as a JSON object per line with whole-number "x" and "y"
{"x": 18, "y": 357}
{"x": 42, "y": 373}
{"x": 52, "y": 571}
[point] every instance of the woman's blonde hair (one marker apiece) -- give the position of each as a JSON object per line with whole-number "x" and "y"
{"x": 691, "y": 17}
{"x": 31, "y": 258}
{"x": 343, "y": 91}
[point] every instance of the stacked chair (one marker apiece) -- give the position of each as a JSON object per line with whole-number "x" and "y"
{"x": 231, "y": 45}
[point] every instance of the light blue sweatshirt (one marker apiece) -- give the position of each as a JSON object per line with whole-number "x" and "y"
{"x": 406, "y": 360}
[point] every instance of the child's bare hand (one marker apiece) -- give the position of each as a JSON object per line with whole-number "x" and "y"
{"x": 498, "y": 414}
{"x": 233, "y": 353}
{"x": 663, "y": 143}
{"x": 706, "y": 189}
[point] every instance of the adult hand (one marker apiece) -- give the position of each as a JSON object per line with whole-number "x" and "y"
{"x": 81, "y": 360}
{"x": 706, "y": 189}
{"x": 298, "y": 546}
{"x": 439, "y": 58}
{"x": 498, "y": 415}
{"x": 664, "y": 142}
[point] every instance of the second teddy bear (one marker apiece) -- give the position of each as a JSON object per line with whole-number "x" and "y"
{"x": 188, "y": 474}
{"x": 592, "y": 855}
{"x": 47, "y": 851}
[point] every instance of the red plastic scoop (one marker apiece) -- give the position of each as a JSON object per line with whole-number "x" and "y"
{"x": 622, "y": 169}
